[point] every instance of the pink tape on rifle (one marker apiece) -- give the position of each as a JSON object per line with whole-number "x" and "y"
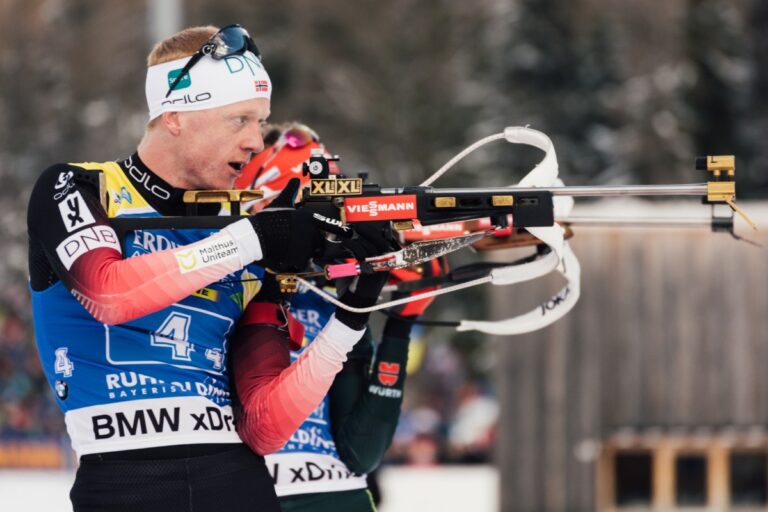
{"x": 342, "y": 270}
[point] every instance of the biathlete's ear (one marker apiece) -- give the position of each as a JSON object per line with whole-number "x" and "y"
{"x": 172, "y": 122}
{"x": 287, "y": 198}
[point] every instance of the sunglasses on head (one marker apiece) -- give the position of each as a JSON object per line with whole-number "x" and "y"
{"x": 230, "y": 40}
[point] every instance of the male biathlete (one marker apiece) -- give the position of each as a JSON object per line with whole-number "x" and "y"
{"x": 134, "y": 335}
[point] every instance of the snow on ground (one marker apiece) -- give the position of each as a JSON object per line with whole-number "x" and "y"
{"x": 445, "y": 488}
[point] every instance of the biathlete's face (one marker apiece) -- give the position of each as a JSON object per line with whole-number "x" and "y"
{"x": 217, "y": 143}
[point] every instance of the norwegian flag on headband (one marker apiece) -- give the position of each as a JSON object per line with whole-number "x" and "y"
{"x": 261, "y": 85}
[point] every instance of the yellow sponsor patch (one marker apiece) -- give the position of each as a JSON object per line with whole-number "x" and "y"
{"x": 207, "y": 293}
{"x": 186, "y": 259}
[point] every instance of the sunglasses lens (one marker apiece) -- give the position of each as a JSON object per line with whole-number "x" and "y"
{"x": 233, "y": 40}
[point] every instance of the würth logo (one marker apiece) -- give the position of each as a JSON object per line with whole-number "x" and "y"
{"x": 401, "y": 207}
{"x": 388, "y": 373}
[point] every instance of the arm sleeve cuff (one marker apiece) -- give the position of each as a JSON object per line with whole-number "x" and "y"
{"x": 340, "y": 336}
{"x": 248, "y": 243}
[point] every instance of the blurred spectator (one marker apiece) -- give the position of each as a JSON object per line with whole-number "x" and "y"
{"x": 473, "y": 430}
{"x": 446, "y": 417}
{"x": 26, "y": 409}
{"x": 423, "y": 450}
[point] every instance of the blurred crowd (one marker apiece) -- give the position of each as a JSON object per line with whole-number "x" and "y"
{"x": 27, "y": 409}
{"x": 448, "y": 416}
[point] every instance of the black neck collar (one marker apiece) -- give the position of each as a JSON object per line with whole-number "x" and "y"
{"x": 161, "y": 196}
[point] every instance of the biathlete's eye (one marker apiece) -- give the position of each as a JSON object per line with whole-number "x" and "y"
{"x": 240, "y": 121}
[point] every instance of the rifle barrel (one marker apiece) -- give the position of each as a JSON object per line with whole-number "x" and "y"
{"x": 690, "y": 189}
{"x": 693, "y": 189}
{"x": 587, "y": 221}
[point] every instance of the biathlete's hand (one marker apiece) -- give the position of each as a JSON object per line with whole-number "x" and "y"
{"x": 359, "y": 241}
{"x": 289, "y": 237}
{"x": 371, "y": 239}
{"x": 433, "y": 268}
{"x": 362, "y": 293}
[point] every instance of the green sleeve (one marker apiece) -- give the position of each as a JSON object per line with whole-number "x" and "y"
{"x": 365, "y": 398}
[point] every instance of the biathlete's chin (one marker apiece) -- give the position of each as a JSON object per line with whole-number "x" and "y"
{"x": 228, "y": 183}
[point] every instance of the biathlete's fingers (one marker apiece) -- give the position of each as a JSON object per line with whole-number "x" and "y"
{"x": 287, "y": 198}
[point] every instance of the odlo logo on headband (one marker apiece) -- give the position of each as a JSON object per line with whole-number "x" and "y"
{"x": 183, "y": 83}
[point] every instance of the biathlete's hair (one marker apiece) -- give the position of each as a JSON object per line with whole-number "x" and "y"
{"x": 180, "y": 44}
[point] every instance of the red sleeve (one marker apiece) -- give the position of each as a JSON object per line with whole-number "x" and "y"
{"x": 276, "y": 396}
{"x": 66, "y": 221}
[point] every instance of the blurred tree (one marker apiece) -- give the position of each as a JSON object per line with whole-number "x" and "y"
{"x": 556, "y": 71}
{"x": 755, "y": 129}
{"x": 718, "y": 99}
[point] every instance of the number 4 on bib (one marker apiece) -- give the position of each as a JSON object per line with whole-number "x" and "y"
{"x": 174, "y": 333}
{"x": 63, "y": 364}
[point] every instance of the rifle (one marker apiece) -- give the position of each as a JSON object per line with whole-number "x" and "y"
{"x": 502, "y": 213}
{"x": 493, "y": 231}
{"x": 492, "y": 210}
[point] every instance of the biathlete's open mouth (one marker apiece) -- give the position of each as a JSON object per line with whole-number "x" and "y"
{"x": 237, "y": 166}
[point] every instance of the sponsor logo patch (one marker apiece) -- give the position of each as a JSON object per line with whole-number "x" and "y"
{"x": 331, "y": 222}
{"x": 64, "y": 184}
{"x": 62, "y": 389}
{"x": 183, "y": 83}
{"x": 207, "y": 293}
{"x": 401, "y": 207}
{"x": 144, "y": 179}
{"x": 238, "y": 63}
{"x": 124, "y": 195}
{"x": 74, "y": 212}
{"x": 388, "y": 373}
{"x": 336, "y": 187}
{"x": 188, "y": 99}
{"x": 160, "y": 420}
{"x": 206, "y": 254}
{"x": 385, "y": 392}
{"x": 74, "y": 246}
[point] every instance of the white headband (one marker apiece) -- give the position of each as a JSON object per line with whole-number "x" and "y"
{"x": 210, "y": 83}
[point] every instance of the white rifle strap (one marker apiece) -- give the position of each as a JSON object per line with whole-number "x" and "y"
{"x": 543, "y": 175}
{"x": 561, "y": 258}
{"x": 546, "y": 313}
{"x": 503, "y": 275}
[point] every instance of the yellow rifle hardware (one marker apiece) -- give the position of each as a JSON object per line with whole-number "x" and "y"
{"x": 723, "y": 188}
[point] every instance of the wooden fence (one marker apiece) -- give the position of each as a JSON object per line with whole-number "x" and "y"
{"x": 671, "y": 331}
